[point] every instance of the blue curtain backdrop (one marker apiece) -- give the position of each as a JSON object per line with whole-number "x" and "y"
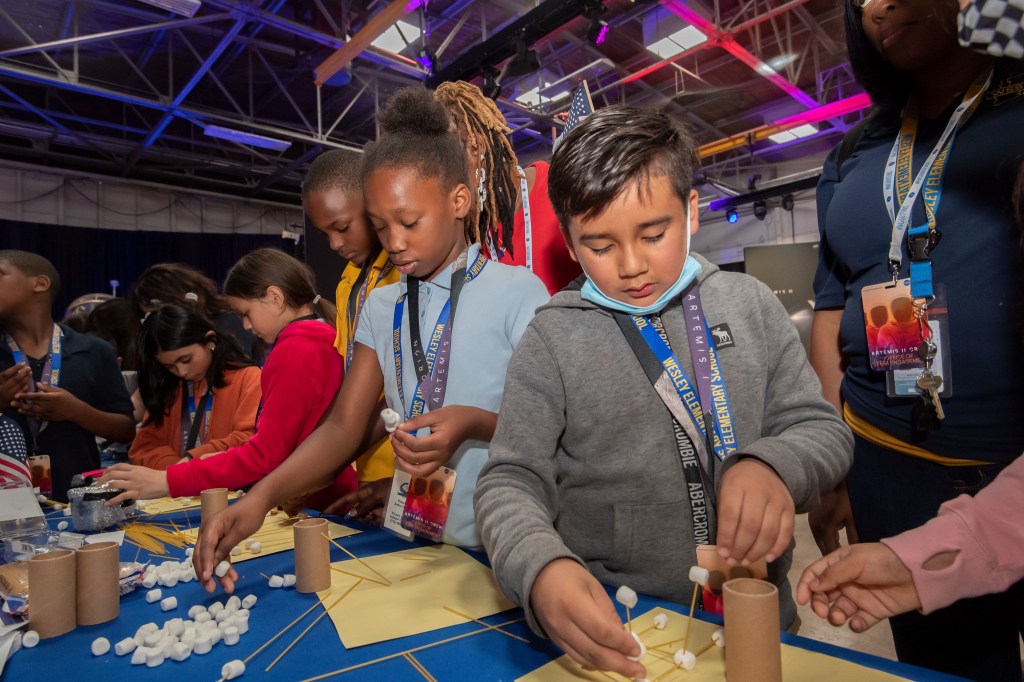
{"x": 88, "y": 258}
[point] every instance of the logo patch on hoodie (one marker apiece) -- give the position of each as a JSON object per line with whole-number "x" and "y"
{"x": 722, "y": 336}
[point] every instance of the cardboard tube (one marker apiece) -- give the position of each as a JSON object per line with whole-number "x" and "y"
{"x": 51, "y": 593}
{"x": 211, "y": 501}
{"x": 99, "y": 599}
{"x": 753, "y": 651}
{"x": 312, "y": 556}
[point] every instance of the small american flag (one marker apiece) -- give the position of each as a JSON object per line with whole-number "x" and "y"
{"x": 581, "y": 107}
{"x": 13, "y": 453}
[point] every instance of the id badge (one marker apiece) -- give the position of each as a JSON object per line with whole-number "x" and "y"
{"x": 396, "y": 505}
{"x": 428, "y": 502}
{"x": 39, "y": 467}
{"x": 903, "y": 383}
{"x": 891, "y": 327}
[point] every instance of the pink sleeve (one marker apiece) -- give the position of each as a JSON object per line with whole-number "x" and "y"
{"x": 289, "y": 399}
{"x": 986, "y": 530}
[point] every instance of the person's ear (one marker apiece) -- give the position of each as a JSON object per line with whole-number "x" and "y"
{"x": 461, "y": 200}
{"x": 275, "y": 296}
{"x": 694, "y": 212}
{"x": 41, "y": 284}
{"x": 568, "y": 244}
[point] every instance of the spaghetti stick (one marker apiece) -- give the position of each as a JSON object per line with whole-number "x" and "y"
{"x": 480, "y": 622}
{"x": 309, "y": 627}
{"x": 415, "y": 575}
{"x": 420, "y": 668}
{"x": 689, "y": 621}
{"x": 361, "y": 577}
{"x": 356, "y": 558}
{"x": 284, "y": 630}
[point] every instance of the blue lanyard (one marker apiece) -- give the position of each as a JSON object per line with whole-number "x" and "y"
{"x": 189, "y": 433}
{"x": 50, "y": 375}
{"x": 437, "y": 349}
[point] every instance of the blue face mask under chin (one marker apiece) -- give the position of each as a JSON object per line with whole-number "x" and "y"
{"x": 691, "y": 268}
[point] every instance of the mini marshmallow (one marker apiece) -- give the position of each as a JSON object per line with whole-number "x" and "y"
{"x": 228, "y": 622}
{"x": 391, "y": 419}
{"x": 243, "y": 625}
{"x": 169, "y": 580}
{"x": 186, "y": 576}
{"x": 154, "y": 595}
{"x": 196, "y": 610}
{"x": 125, "y": 646}
{"x": 242, "y": 614}
{"x": 149, "y": 627}
{"x": 234, "y": 603}
{"x": 289, "y": 580}
{"x": 169, "y": 603}
{"x": 222, "y": 569}
{"x": 189, "y": 551}
{"x": 213, "y": 608}
{"x": 699, "y": 575}
{"x": 236, "y": 550}
{"x": 275, "y": 581}
{"x": 154, "y": 658}
{"x": 41, "y": 498}
{"x": 685, "y": 659}
{"x": 67, "y": 511}
{"x": 100, "y": 646}
{"x": 232, "y": 669}
{"x": 153, "y": 639}
{"x": 255, "y": 547}
{"x": 181, "y": 651}
{"x": 718, "y": 637}
{"x": 626, "y": 596}
{"x": 231, "y": 636}
{"x": 140, "y": 638}
{"x": 139, "y": 657}
{"x": 202, "y": 617}
{"x": 63, "y": 525}
{"x": 167, "y": 646}
{"x": 176, "y": 626}
{"x": 661, "y": 621}
{"x": 202, "y": 645}
{"x": 222, "y": 615}
{"x": 188, "y": 637}
{"x": 215, "y": 636}
{"x": 150, "y": 579}
{"x": 249, "y": 601}
{"x": 643, "y": 649}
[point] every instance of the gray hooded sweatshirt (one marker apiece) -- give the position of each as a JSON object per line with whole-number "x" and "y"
{"x": 584, "y": 464}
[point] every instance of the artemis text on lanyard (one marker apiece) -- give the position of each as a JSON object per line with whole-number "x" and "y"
{"x": 923, "y": 239}
{"x": 50, "y": 375}
{"x": 431, "y": 366}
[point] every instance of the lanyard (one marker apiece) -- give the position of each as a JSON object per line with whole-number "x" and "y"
{"x": 431, "y": 366}
{"x": 524, "y": 191}
{"x": 49, "y": 377}
{"x": 356, "y": 298}
{"x": 899, "y": 167}
{"x": 189, "y": 425}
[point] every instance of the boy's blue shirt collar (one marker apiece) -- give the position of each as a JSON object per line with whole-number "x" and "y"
{"x": 444, "y": 278}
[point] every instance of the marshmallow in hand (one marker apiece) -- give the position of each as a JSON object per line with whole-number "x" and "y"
{"x": 391, "y": 419}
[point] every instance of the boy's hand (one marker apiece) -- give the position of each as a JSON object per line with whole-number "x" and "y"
{"x": 13, "y": 380}
{"x": 365, "y": 504}
{"x": 859, "y": 585}
{"x": 578, "y": 616}
{"x": 755, "y": 513}
{"x": 219, "y": 535}
{"x": 49, "y": 403}
{"x": 831, "y": 515}
{"x": 138, "y": 483}
{"x": 449, "y": 427}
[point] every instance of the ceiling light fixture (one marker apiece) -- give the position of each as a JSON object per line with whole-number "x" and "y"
{"x": 186, "y": 8}
{"x": 598, "y": 30}
{"x": 243, "y": 137}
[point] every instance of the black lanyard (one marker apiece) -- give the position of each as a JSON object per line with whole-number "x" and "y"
{"x": 193, "y": 424}
{"x": 419, "y": 358}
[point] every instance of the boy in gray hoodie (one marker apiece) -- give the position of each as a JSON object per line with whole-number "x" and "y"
{"x": 664, "y": 404}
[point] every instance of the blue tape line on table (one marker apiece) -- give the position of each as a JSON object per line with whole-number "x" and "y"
{"x": 488, "y": 655}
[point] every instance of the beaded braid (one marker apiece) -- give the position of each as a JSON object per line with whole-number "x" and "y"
{"x": 478, "y": 118}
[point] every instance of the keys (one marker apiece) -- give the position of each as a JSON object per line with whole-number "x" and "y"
{"x": 931, "y": 383}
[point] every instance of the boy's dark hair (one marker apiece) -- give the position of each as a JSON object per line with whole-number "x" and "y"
{"x": 170, "y": 283}
{"x": 334, "y": 169}
{"x": 114, "y": 322}
{"x": 887, "y": 86}
{"x": 33, "y": 265}
{"x": 612, "y": 149}
{"x": 261, "y": 269}
{"x": 416, "y": 133}
{"x": 172, "y": 327}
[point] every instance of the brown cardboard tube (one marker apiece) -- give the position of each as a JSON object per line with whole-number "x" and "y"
{"x": 211, "y": 501}
{"x": 51, "y": 593}
{"x": 312, "y": 556}
{"x": 99, "y": 599}
{"x": 753, "y": 652}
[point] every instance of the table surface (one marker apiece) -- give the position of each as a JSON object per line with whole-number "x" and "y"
{"x": 488, "y": 655}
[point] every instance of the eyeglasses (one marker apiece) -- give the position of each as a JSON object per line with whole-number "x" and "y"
{"x": 862, "y": 4}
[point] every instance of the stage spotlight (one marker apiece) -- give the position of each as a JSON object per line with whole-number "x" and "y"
{"x": 524, "y": 63}
{"x": 597, "y": 33}
{"x": 491, "y": 87}
{"x": 787, "y": 202}
{"x": 731, "y": 215}
{"x": 760, "y": 210}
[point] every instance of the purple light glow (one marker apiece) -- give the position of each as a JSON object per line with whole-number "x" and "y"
{"x": 603, "y": 35}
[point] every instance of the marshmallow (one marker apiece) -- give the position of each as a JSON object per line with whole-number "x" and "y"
{"x": 148, "y": 627}
{"x": 222, "y": 615}
{"x": 232, "y": 669}
{"x": 685, "y": 659}
{"x": 202, "y": 645}
{"x": 249, "y": 601}
{"x": 275, "y": 581}
{"x": 643, "y": 649}
{"x": 234, "y": 603}
{"x": 236, "y": 550}
{"x": 153, "y": 639}
{"x": 626, "y": 596}
{"x": 169, "y": 580}
{"x": 718, "y": 637}
{"x": 661, "y": 621}
{"x": 186, "y": 576}
{"x": 125, "y": 646}
{"x": 215, "y": 636}
{"x": 100, "y": 646}
{"x": 213, "y": 608}
{"x": 196, "y": 610}
{"x": 139, "y": 657}
{"x": 154, "y": 595}
{"x": 699, "y": 575}
{"x": 255, "y": 547}
{"x": 154, "y": 658}
{"x": 140, "y": 638}
{"x": 181, "y": 651}
{"x": 67, "y": 511}
{"x": 222, "y": 569}
{"x": 242, "y": 614}
{"x": 242, "y": 624}
{"x": 169, "y": 603}
{"x": 202, "y": 617}
{"x": 167, "y": 646}
{"x": 289, "y": 580}
{"x": 231, "y": 636}
{"x": 188, "y": 637}
{"x": 391, "y": 419}
{"x": 189, "y": 551}
{"x": 149, "y": 579}
{"x": 175, "y": 627}
{"x": 63, "y": 525}
{"x": 228, "y": 622}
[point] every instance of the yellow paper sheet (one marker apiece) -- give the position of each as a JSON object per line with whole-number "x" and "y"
{"x": 276, "y": 535}
{"x": 169, "y": 505}
{"x": 798, "y": 665}
{"x": 423, "y": 580}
